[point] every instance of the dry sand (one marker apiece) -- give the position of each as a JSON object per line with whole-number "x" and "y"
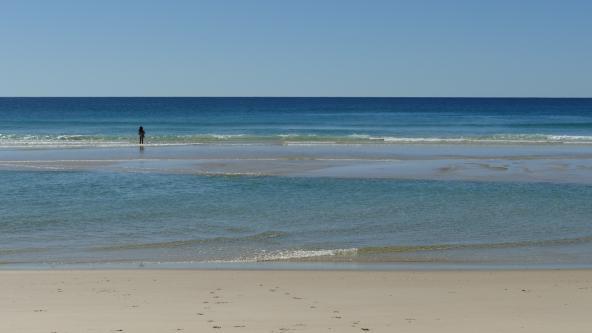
{"x": 299, "y": 301}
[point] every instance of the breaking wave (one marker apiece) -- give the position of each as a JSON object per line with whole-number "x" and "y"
{"x": 53, "y": 141}
{"x": 377, "y": 252}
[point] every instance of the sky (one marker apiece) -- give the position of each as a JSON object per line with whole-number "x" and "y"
{"x": 296, "y": 48}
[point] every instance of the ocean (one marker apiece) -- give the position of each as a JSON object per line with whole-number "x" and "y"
{"x": 296, "y": 182}
{"x": 112, "y": 121}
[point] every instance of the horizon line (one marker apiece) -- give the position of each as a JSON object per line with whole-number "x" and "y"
{"x": 173, "y": 96}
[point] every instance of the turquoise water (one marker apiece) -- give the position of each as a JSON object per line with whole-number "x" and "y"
{"x": 308, "y": 181}
{"x": 78, "y": 217}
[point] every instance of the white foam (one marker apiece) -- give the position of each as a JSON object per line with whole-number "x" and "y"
{"x": 225, "y": 136}
{"x": 81, "y": 141}
{"x": 292, "y": 255}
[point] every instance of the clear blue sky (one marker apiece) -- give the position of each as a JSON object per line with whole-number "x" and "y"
{"x": 296, "y": 48}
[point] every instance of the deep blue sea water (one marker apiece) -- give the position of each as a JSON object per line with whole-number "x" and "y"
{"x": 113, "y": 121}
{"x": 87, "y": 212}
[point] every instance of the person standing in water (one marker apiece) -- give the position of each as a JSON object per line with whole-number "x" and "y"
{"x": 141, "y": 133}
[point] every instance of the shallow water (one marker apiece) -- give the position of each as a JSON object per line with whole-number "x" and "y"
{"x": 71, "y": 217}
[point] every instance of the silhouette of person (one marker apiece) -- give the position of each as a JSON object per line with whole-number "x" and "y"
{"x": 141, "y": 133}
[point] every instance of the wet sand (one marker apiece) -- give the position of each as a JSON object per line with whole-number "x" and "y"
{"x": 528, "y": 163}
{"x": 295, "y": 301}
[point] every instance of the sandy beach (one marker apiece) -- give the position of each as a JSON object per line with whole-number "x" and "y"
{"x": 300, "y": 301}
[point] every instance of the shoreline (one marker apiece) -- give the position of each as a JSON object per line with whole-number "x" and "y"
{"x": 279, "y": 268}
{"x": 295, "y": 301}
{"x": 321, "y": 266}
